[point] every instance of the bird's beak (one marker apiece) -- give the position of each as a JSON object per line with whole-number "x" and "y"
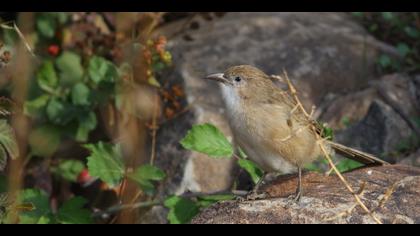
{"x": 219, "y": 77}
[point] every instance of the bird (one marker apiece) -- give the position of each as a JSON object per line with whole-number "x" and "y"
{"x": 268, "y": 125}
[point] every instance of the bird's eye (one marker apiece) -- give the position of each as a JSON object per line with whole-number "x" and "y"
{"x": 238, "y": 79}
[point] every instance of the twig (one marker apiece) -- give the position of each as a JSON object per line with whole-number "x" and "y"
{"x": 341, "y": 214}
{"x": 326, "y": 154}
{"x": 386, "y": 196}
{"x": 21, "y": 36}
{"x": 199, "y": 194}
{"x": 121, "y": 207}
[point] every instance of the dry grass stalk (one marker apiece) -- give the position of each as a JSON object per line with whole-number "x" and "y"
{"x": 321, "y": 144}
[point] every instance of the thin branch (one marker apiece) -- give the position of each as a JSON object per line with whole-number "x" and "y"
{"x": 120, "y": 207}
{"x": 21, "y": 36}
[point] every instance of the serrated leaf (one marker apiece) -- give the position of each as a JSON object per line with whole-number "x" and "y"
{"x": 105, "y": 162}
{"x": 60, "y": 112}
{"x": 207, "y": 139}
{"x": 181, "y": 210}
{"x": 252, "y": 169}
{"x": 8, "y": 144}
{"x": 100, "y": 69}
{"x": 149, "y": 172}
{"x": 46, "y": 77}
{"x": 144, "y": 175}
{"x": 6, "y": 107}
{"x": 41, "y": 212}
{"x": 72, "y": 212}
{"x": 44, "y": 140}
{"x": 80, "y": 94}
{"x": 87, "y": 123}
{"x": 70, "y": 169}
{"x": 70, "y": 67}
{"x": 34, "y": 107}
{"x": 46, "y": 25}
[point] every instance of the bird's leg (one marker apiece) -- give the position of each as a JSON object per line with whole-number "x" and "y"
{"x": 299, "y": 186}
{"x": 259, "y": 183}
{"x": 254, "y": 193}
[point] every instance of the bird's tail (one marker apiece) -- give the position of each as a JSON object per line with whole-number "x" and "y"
{"x": 356, "y": 155}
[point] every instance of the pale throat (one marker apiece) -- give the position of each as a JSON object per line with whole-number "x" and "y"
{"x": 233, "y": 102}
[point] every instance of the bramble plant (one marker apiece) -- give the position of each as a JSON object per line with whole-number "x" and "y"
{"x": 72, "y": 81}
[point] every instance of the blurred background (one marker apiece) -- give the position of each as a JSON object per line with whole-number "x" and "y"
{"x": 93, "y": 105}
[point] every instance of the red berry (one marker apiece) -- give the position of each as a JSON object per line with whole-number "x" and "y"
{"x": 53, "y": 50}
{"x": 84, "y": 177}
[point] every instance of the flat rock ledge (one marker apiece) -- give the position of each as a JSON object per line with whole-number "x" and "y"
{"x": 391, "y": 192}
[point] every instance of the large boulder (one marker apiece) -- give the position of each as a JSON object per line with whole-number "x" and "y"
{"x": 391, "y": 192}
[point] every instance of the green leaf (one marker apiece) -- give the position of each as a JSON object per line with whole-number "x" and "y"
{"x": 72, "y": 212}
{"x": 207, "y": 139}
{"x": 181, "y": 210}
{"x": 206, "y": 201}
{"x": 105, "y": 162}
{"x": 144, "y": 175}
{"x": 8, "y": 144}
{"x": 70, "y": 66}
{"x": 70, "y": 169}
{"x": 46, "y": 25}
{"x": 44, "y": 140}
{"x": 347, "y": 165}
{"x": 384, "y": 61}
{"x": 80, "y": 94}
{"x": 35, "y": 107}
{"x": 87, "y": 123}
{"x": 42, "y": 212}
{"x": 46, "y": 77}
{"x": 403, "y": 49}
{"x": 253, "y": 170}
{"x": 99, "y": 69}
{"x": 60, "y": 112}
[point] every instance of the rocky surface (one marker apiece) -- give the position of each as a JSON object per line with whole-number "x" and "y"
{"x": 380, "y": 132}
{"x": 392, "y": 192}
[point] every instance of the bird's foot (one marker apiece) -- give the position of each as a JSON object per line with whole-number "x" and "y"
{"x": 252, "y": 196}
{"x": 256, "y": 195}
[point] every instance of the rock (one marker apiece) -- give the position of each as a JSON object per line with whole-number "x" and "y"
{"x": 413, "y": 159}
{"x": 347, "y": 109}
{"x": 401, "y": 89}
{"x": 380, "y": 132}
{"x": 339, "y": 61}
{"x": 296, "y": 42}
{"x": 392, "y": 192}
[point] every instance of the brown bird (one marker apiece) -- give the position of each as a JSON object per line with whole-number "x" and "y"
{"x": 268, "y": 125}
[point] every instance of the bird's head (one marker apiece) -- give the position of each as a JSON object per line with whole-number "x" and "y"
{"x": 243, "y": 82}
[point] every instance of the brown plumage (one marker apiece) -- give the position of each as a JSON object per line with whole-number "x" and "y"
{"x": 267, "y": 124}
